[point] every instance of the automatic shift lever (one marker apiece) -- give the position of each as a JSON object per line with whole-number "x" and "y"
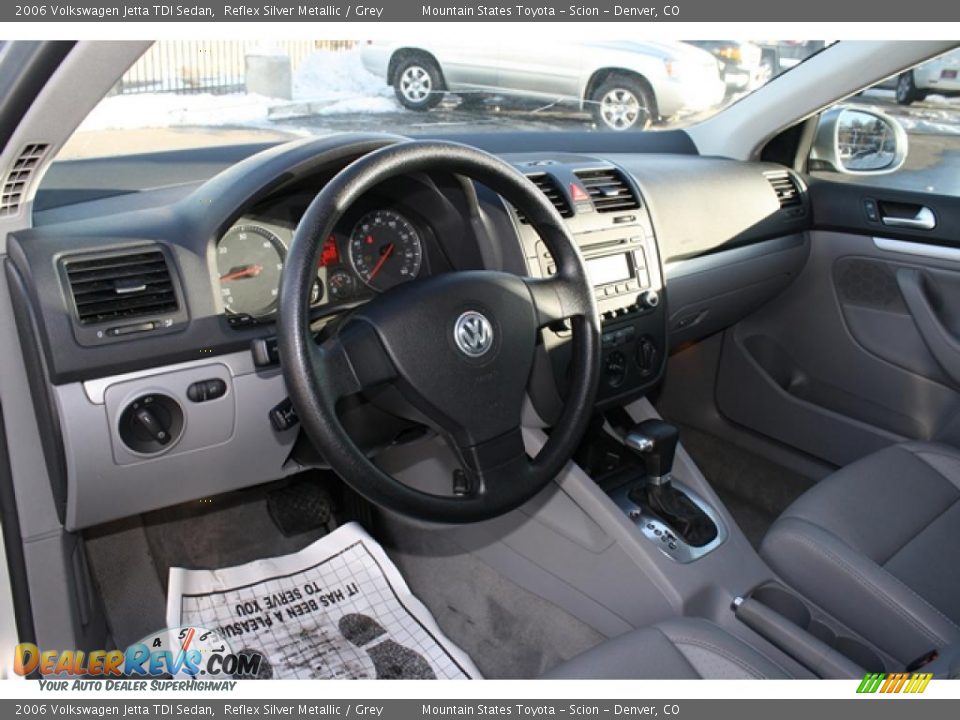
{"x": 657, "y": 441}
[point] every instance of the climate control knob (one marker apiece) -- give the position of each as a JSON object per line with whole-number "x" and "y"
{"x": 650, "y": 299}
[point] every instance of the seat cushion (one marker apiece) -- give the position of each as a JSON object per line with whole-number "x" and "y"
{"x": 685, "y": 648}
{"x": 877, "y": 545}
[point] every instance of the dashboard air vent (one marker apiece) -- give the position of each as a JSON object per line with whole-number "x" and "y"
{"x": 17, "y": 181}
{"x": 608, "y": 190}
{"x": 549, "y": 187}
{"x": 121, "y": 286}
{"x": 786, "y": 188}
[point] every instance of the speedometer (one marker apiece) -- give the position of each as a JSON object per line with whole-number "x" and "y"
{"x": 385, "y": 249}
{"x": 250, "y": 261}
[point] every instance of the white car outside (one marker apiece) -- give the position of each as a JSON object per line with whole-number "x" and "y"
{"x": 625, "y": 85}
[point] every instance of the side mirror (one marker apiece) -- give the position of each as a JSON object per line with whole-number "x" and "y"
{"x": 854, "y": 141}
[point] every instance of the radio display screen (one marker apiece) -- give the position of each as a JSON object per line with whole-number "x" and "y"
{"x": 608, "y": 269}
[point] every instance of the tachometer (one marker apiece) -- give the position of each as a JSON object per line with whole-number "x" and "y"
{"x": 250, "y": 261}
{"x": 385, "y": 249}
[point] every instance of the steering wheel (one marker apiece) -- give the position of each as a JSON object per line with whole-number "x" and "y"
{"x": 458, "y": 346}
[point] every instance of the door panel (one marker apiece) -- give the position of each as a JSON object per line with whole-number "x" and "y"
{"x": 838, "y": 365}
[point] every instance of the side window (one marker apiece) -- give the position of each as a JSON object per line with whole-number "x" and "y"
{"x": 903, "y": 133}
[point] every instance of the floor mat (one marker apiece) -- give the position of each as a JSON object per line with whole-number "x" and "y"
{"x": 131, "y": 559}
{"x": 226, "y": 530}
{"x": 754, "y": 489}
{"x": 339, "y": 608}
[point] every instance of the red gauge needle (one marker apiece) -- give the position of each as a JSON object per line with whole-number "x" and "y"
{"x": 383, "y": 259}
{"x": 244, "y": 272}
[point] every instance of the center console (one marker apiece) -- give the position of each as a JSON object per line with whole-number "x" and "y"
{"x": 611, "y": 225}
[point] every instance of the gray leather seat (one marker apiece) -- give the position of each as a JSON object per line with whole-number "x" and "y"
{"x": 685, "y": 648}
{"x": 877, "y": 545}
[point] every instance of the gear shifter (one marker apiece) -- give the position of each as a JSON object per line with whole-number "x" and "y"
{"x": 656, "y": 441}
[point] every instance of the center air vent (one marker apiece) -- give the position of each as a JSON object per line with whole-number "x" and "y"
{"x": 121, "y": 286}
{"x": 549, "y": 187}
{"x": 786, "y": 188}
{"x": 608, "y": 189}
{"x": 17, "y": 181}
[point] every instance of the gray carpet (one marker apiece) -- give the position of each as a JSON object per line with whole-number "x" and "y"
{"x": 133, "y": 596}
{"x": 229, "y": 530}
{"x": 754, "y": 489}
{"x": 508, "y": 632}
{"x": 131, "y": 559}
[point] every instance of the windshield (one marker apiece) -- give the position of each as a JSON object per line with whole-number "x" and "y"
{"x": 183, "y": 94}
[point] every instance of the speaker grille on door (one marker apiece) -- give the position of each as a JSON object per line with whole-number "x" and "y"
{"x": 870, "y": 283}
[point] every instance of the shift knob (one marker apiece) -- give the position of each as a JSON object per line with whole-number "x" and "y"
{"x": 656, "y": 440}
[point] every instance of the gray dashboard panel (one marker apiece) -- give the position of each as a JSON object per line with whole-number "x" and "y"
{"x": 702, "y": 205}
{"x": 226, "y": 443}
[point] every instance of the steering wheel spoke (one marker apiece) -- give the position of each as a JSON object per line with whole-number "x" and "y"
{"x": 555, "y": 299}
{"x": 352, "y": 361}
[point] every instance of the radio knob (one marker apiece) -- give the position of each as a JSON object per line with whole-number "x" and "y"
{"x": 650, "y": 299}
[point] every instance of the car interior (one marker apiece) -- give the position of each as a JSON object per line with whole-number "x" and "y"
{"x": 662, "y": 404}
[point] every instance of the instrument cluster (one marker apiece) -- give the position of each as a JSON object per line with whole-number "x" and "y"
{"x": 373, "y": 252}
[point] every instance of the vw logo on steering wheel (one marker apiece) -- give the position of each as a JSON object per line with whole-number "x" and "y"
{"x": 473, "y": 334}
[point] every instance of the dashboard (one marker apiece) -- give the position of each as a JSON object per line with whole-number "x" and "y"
{"x": 164, "y": 301}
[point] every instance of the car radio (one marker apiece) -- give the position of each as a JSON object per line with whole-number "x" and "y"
{"x": 622, "y": 260}
{"x": 618, "y": 268}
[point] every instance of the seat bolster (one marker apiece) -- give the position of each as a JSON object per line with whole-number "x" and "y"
{"x": 856, "y": 590}
{"x": 685, "y": 648}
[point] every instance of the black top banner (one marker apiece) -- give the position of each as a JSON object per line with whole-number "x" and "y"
{"x": 867, "y": 11}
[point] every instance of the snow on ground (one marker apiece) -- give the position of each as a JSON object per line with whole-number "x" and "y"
{"x": 326, "y": 75}
{"x": 340, "y": 79}
{"x": 153, "y": 110}
{"x": 333, "y": 82}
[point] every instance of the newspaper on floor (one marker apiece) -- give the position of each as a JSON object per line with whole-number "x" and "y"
{"x": 337, "y": 609}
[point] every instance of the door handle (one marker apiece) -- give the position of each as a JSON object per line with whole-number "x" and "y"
{"x": 923, "y": 220}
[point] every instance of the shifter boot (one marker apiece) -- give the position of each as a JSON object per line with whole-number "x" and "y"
{"x": 678, "y": 511}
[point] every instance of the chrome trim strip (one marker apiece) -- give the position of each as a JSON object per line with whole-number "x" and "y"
{"x": 905, "y": 247}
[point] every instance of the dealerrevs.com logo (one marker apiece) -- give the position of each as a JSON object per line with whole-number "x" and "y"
{"x": 184, "y": 652}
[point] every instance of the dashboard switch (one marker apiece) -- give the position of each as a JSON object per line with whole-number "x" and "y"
{"x": 266, "y": 352}
{"x": 204, "y": 390}
{"x": 283, "y": 416}
{"x": 151, "y": 424}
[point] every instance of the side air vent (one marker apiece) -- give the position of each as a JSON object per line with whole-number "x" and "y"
{"x": 786, "y": 188}
{"x": 17, "y": 181}
{"x": 609, "y": 190}
{"x": 549, "y": 187}
{"x": 121, "y": 286}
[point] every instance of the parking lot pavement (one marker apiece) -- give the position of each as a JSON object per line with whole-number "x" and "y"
{"x": 492, "y": 116}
